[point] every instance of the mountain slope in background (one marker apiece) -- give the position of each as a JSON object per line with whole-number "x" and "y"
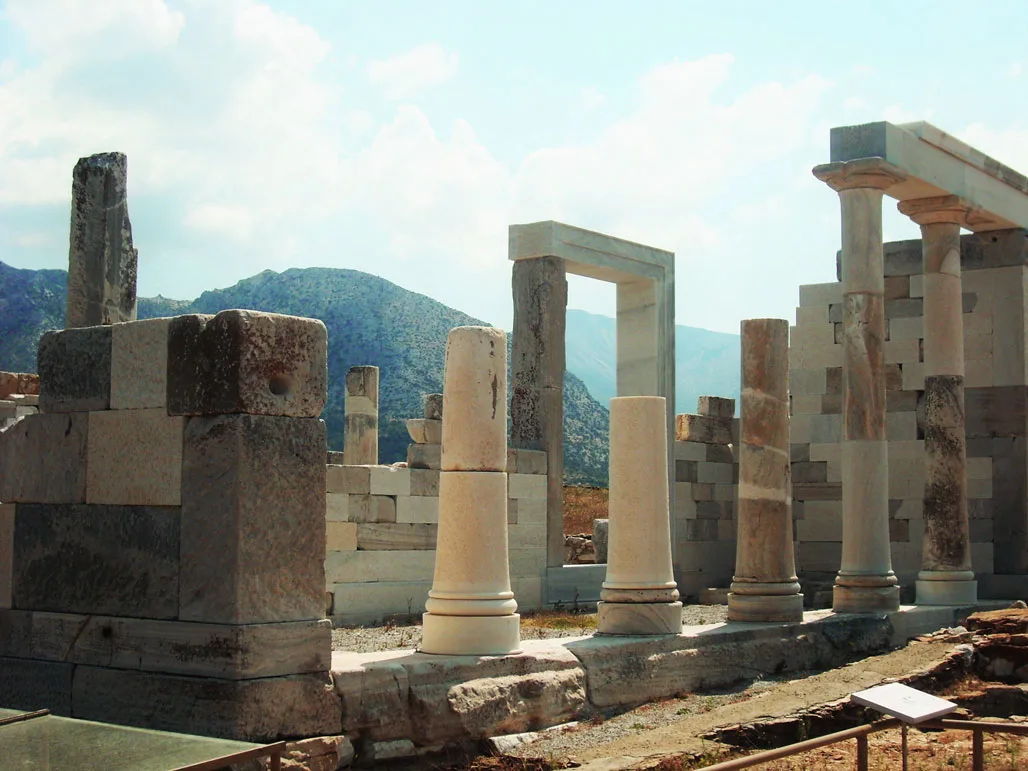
{"x": 706, "y": 363}
{"x": 369, "y": 320}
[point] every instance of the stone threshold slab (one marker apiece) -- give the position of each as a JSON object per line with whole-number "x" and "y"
{"x": 433, "y": 699}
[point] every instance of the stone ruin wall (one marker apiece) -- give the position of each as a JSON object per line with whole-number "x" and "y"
{"x": 19, "y": 397}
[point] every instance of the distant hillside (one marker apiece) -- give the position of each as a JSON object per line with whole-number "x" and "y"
{"x": 369, "y": 320}
{"x": 706, "y": 363}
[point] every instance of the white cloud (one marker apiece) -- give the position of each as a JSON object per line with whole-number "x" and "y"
{"x": 1015, "y": 70}
{"x": 404, "y": 75}
{"x": 592, "y": 98}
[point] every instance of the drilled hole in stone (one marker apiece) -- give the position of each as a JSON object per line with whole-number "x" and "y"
{"x": 279, "y": 385}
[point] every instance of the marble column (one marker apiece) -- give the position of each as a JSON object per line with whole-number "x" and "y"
{"x": 360, "y": 427}
{"x": 946, "y": 577}
{"x": 101, "y": 259}
{"x": 639, "y": 595}
{"x": 471, "y": 608}
{"x": 866, "y": 582}
{"x": 765, "y": 587}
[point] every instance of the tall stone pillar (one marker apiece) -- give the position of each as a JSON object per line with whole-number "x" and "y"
{"x": 765, "y": 587}
{"x": 946, "y": 577}
{"x": 471, "y": 608}
{"x": 639, "y": 596}
{"x": 866, "y": 582}
{"x": 360, "y": 427}
{"x": 540, "y": 290}
{"x": 101, "y": 258}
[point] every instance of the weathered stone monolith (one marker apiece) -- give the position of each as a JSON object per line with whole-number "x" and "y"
{"x": 101, "y": 259}
{"x": 360, "y": 430}
{"x": 471, "y": 608}
{"x": 765, "y": 587}
{"x": 866, "y": 582}
{"x": 639, "y": 596}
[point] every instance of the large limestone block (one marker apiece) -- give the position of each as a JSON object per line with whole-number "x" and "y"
{"x": 703, "y": 428}
{"x": 6, "y": 553}
{"x": 111, "y": 560}
{"x": 260, "y": 710}
{"x": 146, "y": 441}
{"x": 253, "y": 519}
{"x": 356, "y": 566}
{"x": 174, "y": 647}
{"x": 101, "y": 259}
{"x": 75, "y": 370}
{"x": 32, "y": 685}
{"x": 139, "y": 365}
{"x": 43, "y": 459}
{"x": 246, "y": 361}
{"x": 475, "y": 400}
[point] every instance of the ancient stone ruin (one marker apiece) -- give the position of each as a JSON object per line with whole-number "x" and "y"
{"x": 176, "y": 540}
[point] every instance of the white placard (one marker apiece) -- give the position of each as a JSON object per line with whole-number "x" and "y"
{"x": 908, "y": 704}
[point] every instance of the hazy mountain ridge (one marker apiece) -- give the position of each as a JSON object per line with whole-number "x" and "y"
{"x": 369, "y": 320}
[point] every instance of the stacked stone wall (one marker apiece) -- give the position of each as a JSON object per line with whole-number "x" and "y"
{"x": 382, "y": 523}
{"x": 19, "y": 397}
{"x": 994, "y": 280}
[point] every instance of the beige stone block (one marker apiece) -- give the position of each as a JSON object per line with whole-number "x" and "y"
{"x": 341, "y": 536}
{"x": 979, "y": 488}
{"x": 977, "y": 323}
{"x": 799, "y": 429}
{"x": 685, "y": 507}
{"x": 531, "y": 511}
{"x": 979, "y": 468}
{"x": 424, "y": 482}
{"x": 690, "y": 451}
{"x": 371, "y": 508}
{"x": 901, "y": 426}
{"x": 43, "y": 459}
{"x": 526, "y": 461}
{"x": 718, "y": 473}
{"x": 825, "y": 451}
{"x": 355, "y": 480}
{"x": 528, "y": 590}
{"x": 336, "y": 507}
{"x": 818, "y": 357}
{"x": 527, "y": 562}
{"x": 7, "y": 511}
{"x": 820, "y": 522}
{"x": 906, "y": 329}
{"x": 908, "y": 449}
{"x": 982, "y": 558}
{"x": 134, "y": 458}
{"x": 526, "y": 536}
{"x": 820, "y": 294}
{"x": 902, "y": 351}
{"x": 812, "y": 335}
{"x": 917, "y": 285}
{"x": 834, "y": 473}
{"x": 703, "y": 428}
{"x": 424, "y": 456}
{"x": 530, "y": 486}
{"x": 910, "y": 508}
{"x": 389, "y": 480}
{"x": 344, "y": 567}
{"x": 913, "y": 376}
{"x": 139, "y": 364}
{"x": 979, "y": 373}
{"x": 725, "y": 492}
{"x": 806, "y": 404}
{"x": 683, "y": 489}
{"x": 811, "y": 315}
{"x": 825, "y": 429}
{"x": 977, "y": 347}
{"x": 360, "y": 602}
{"x": 396, "y": 536}
{"x": 417, "y": 509}
{"x": 806, "y": 382}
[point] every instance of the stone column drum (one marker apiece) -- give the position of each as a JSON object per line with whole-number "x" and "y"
{"x": 765, "y": 587}
{"x": 471, "y": 608}
{"x": 360, "y": 429}
{"x": 639, "y": 596}
{"x": 866, "y": 582}
{"x": 946, "y": 577}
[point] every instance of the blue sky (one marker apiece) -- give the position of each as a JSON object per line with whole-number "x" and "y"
{"x": 401, "y": 138}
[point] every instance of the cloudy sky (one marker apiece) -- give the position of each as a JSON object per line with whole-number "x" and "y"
{"x": 401, "y": 138}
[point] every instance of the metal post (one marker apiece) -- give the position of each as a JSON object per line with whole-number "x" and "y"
{"x": 977, "y": 750}
{"x": 862, "y": 753}
{"x": 904, "y": 743}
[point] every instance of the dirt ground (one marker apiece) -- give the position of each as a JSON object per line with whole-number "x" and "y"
{"x": 581, "y": 506}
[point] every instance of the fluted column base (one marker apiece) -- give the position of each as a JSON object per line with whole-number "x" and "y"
{"x": 471, "y": 635}
{"x": 639, "y": 618}
{"x": 865, "y": 599}
{"x": 766, "y": 607}
{"x": 946, "y": 587}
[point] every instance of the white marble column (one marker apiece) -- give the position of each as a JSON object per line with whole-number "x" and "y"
{"x": 866, "y": 582}
{"x": 946, "y": 577}
{"x": 360, "y": 421}
{"x": 765, "y": 587}
{"x": 639, "y": 596}
{"x": 471, "y": 608}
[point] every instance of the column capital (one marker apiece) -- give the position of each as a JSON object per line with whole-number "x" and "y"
{"x": 948, "y": 209}
{"x": 874, "y": 173}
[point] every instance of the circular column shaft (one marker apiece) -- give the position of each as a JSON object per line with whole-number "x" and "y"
{"x": 360, "y": 409}
{"x": 471, "y": 609}
{"x": 765, "y": 587}
{"x": 946, "y": 577}
{"x": 639, "y": 596}
{"x": 866, "y": 582}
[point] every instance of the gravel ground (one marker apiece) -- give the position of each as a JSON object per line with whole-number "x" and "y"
{"x": 537, "y": 626}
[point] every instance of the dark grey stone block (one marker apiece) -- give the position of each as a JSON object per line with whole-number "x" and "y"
{"x": 686, "y": 471}
{"x": 30, "y": 685}
{"x": 911, "y": 307}
{"x": 799, "y": 453}
{"x": 43, "y": 459}
{"x": 903, "y": 258}
{"x": 253, "y": 519}
{"x": 719, "y": 453}
{"x": 998, "y": 411}
{"x": 111, "y": 560}
{"x": 75, "y": 370}
{"x": 994, "y": 249}
{"x": 810, "y": 472}
{"x": 867, "y": 140}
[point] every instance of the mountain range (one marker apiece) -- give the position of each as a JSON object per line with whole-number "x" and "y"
{"x": 372, "y": 321}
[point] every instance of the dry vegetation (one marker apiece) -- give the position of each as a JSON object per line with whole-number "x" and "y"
{"x": 581, "y": 506}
